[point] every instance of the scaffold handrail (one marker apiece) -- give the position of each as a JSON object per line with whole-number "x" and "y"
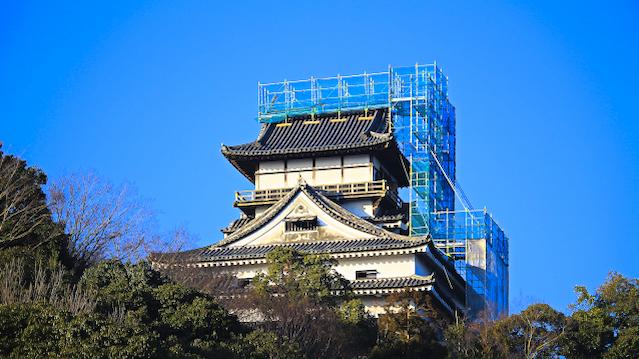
{"x": 278, "y": 101}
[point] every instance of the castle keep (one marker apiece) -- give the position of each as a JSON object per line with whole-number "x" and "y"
{"x": 362, "y": 168}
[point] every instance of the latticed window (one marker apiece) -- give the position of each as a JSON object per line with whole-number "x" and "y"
{"x": 301, "y": 224}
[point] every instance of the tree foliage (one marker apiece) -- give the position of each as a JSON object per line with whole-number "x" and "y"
{"x": 605, "y": 324}
{"x": 302, "y": 276}
{"x": 23, "y": 204}
{"x": 534, "y": 333}
{"x": 409, "y": 327}
{"x": 27, "y": 230}
{"x": 302, "y": 298}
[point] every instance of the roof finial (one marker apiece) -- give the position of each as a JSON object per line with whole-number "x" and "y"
{"x": 301, "y": 181}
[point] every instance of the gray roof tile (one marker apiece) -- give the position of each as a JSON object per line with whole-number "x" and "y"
{"x": 327, "y": 134}
{"x": 401, "y": 282}
{"x": 335, "y": 246}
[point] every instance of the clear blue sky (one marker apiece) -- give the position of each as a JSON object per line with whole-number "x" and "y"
{"x": 146, "y": 91}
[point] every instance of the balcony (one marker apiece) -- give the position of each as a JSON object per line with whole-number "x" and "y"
{"x": 333, "y": 191}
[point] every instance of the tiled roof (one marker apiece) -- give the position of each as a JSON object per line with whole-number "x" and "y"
{"x": 321, "y": 133}
{"x": 391, "y": 217}
{"x": 333, "y": 246}
{"x": 331, "y": 208}
{"x": 236, "y": 224}
{"x": 401, "y": 282}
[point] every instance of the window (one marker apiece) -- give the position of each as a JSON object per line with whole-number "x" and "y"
{"x": 366, "y": 274}
{"x": 301, "y": 224}
{"x": 244, "y": 282}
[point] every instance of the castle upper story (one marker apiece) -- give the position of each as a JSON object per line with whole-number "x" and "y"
{"x": 351, "y": 157}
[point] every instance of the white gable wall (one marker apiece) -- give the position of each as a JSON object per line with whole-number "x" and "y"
{"x": 274, "y": 231}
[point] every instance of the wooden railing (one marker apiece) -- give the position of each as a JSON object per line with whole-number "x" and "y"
{"x": 332, "y": 190}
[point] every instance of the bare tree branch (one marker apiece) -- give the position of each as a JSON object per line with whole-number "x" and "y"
{"x": 102, "y": 221}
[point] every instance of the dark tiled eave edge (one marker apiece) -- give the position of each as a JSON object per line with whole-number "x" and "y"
{"x": 378, "y": 143}
{"x": 401, "y": 282}
{"x": 329, "y": 247}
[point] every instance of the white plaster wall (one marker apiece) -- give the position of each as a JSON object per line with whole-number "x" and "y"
{"x": 250, "y": 270}
{"x": 327, "y": 162}
{"x": 292, "y": 177}
{"x": 357, "y": 174}
{"x": 362, "y": 160}
{"x": 319, "y": 171}
{"x": 271, "y": 166}
{"x": 361, "y": 207}
{"x": 386, "y": 266}
{"x": 299, "y": 164}
{"x": 333, "y": 176}
{"x": 270, "y": 181}
{"x": 260, "y": 210}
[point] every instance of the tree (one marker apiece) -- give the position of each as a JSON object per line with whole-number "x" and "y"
{"x": 298, "y": 275}
{"x": 534, "y": 333}
{"x": 409, "y": 327}
{"x": 101, "y": 220}
{"x": 475, "y": 338}
{"x": 606, "y": 324}
{"x": 303, "y": 299}
{"x": 23, "y": 206}
{"x": 27, "y": 230}
{"x": 185, "y": 322}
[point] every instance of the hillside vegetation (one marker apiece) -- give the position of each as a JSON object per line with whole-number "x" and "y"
{"x": 76, "y": 281}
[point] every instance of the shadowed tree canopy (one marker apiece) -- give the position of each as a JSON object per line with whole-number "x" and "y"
{"x": 408, "y": 327}
{"x": 27, "y": 230}
{"x": 25, "y": 218}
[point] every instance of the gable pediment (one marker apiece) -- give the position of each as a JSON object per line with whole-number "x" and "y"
{"x": 301, "y": 220}
{"x": 304, "y": 215}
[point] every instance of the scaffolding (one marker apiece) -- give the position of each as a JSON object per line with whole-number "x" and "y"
{"x": 479, "y": 248}
{"x": 423, "y": 121}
